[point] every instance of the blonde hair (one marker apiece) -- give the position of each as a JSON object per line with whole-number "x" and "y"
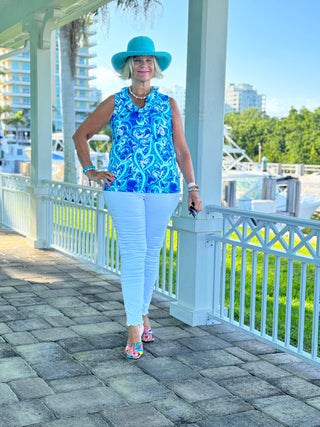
{"x": 127, "y": 69}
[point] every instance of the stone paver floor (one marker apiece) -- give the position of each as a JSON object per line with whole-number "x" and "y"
{"x": 62, "y": 335}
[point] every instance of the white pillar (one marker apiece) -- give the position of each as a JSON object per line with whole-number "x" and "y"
{"x": 41, "y": 125}
{"x": 207, "y": 34}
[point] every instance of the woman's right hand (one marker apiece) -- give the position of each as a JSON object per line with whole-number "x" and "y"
{"x": 194, "y": 201}
{"x": 103, "y": 178}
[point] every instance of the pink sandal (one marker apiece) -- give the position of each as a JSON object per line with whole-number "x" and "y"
{"x": 147, "y": 335}
{"x": 137, "y": 350}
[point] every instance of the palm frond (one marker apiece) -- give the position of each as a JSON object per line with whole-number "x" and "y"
{"x": 138, "y": 5}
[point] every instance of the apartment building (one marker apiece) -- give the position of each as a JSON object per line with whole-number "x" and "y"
{"x": 15, "y": 88}
{"x": 239, "y": 97}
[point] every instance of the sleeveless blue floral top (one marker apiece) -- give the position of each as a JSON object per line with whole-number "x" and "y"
{"x": 142, "y": 156}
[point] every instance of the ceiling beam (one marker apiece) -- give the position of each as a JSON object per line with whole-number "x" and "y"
{"x": 17, "y": 15}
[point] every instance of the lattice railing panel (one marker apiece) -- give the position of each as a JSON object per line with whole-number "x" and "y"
{"x": 267, "y": 278}
{"x": 79, "y": 223}
{"x": 15, "y": 202}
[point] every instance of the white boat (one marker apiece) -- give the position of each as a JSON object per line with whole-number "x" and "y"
{"x": 12, "y": 155}
{"x": 99, "y": 159}
{"x": 15, "y": 156}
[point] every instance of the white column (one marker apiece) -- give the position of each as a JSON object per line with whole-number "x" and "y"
{"x": 207, "y": 34}
{"x": 41, "y": 126}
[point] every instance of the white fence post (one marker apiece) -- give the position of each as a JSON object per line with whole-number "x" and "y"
{"x": 39, "y": 214}
{"x": 100, "y": 231}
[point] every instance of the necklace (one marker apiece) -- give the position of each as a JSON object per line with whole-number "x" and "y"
{"x": 136, "y": 96}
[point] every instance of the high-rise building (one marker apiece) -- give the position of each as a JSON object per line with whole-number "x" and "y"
{"x": 15, "y": 90}
{"x": 241, "y": 97}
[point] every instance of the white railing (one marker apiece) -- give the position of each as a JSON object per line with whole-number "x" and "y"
{"x": 267, "y": 267}
{"x": 79, "y": 224}
{"x": 272, "y": 168}
{"x": 15, "y": 202}
{"x": 267, "y": 278}
{"x": 292, "y": 169}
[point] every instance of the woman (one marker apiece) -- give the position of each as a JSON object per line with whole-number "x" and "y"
{"x": 142, "y": 184}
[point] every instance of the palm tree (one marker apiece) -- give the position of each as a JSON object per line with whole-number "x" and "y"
{"x": 70, "y": 36}
{"x": 17, "y": 120}
{"x": 5, "y": 109}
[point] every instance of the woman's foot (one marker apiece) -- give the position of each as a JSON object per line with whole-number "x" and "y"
{"x": 134, "y": 348}
{"x": 146, "y": 322}
{"x": 134, "y": 351}
{"x": 147, "y": 335}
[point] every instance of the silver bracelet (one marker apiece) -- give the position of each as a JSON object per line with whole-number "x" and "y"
{"x": 191, "y": 184}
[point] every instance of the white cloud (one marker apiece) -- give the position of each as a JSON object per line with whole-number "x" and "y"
{"x": 280, "y": 107}
{"x": 276, "y": 108}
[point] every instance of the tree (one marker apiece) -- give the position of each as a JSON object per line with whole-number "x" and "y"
{"x": 292, "y": 139}
{"x": 70, "y": 36}
{"x": 249, "y": 129}
{"x": 17, "y": 120}
{"x": 274, "y": 147}
{"x": 68, "y": 46}
{"x": 302, "y": 136}
{"x": 5, "y": 109}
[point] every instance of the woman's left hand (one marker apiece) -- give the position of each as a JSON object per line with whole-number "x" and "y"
{"x": 194, "y": 201}
{"x": 103, "y": 177}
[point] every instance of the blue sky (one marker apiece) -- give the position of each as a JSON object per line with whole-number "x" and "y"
{"x": 272, "y": 44}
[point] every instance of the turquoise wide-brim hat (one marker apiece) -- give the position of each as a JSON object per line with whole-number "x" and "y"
{"x": 141, "y": 46}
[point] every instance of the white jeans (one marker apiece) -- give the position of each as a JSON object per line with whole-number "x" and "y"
{"x": 140, "y": 220}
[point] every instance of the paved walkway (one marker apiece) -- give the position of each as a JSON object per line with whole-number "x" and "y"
{"x": 62, "y": 334}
